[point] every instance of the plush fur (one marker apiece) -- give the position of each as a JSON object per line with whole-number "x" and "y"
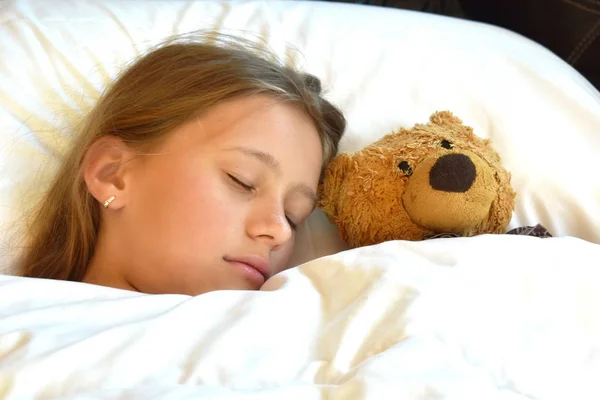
{"x": 435, "y": 178}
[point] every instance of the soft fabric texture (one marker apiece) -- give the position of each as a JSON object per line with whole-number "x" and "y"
{"x": 386, "y": 68}
{"x": 437, "y": 177}
{"x": 402, "y": 320}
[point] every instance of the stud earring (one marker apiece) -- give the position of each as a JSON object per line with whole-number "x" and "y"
{"x": 108, "y": 201}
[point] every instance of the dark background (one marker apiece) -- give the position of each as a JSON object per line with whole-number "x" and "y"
{"x": 569, "y": 28}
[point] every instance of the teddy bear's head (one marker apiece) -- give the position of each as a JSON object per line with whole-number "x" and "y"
{"x": 435, "y": 178}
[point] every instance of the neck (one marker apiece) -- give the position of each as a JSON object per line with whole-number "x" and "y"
{"x": 103, "y": 270}
{"x": 97, "y": 275}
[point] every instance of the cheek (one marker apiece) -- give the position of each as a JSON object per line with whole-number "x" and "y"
{"x": 202, "y": 211}
{"x": 183, "y": 208}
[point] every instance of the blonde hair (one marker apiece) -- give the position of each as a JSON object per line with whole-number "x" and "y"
{"x": 158, "y": 92}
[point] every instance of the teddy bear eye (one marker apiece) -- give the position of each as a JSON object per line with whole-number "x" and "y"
{"x": 447, "y": 145}
{"x": 405, "y": 167}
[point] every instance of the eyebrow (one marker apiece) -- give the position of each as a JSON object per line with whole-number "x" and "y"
{"x": 261, "y": 156}
{"x": 272, "y": 163}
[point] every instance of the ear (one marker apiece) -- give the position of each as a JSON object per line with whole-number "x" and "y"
{"x": 444, "y": 118}
{"x": 329, "y": 188}
{"x": 103, "y": 170}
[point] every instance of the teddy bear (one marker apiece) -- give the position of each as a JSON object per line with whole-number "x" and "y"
{"x": 433, "y": 179}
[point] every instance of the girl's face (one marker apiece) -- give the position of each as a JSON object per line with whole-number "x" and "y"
{"x": 216, "y": 207}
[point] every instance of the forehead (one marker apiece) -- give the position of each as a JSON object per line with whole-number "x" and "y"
{"x": 251, "y": 116}
{"x": 268, "y": 125}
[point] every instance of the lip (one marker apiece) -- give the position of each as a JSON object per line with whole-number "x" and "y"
{"x": 258, "y": 263}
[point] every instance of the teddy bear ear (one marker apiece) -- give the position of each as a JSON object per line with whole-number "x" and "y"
{"x": 444, "y": 118}
{"x": 329, "y": 188}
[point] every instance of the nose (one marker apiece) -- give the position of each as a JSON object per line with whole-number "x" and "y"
{"x": 453, "y": 173}
{"x": 269, "y": 224}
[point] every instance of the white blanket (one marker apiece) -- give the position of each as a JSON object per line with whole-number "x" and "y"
{"x": 490, "y": 317}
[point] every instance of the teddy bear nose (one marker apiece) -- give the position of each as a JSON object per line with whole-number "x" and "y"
{"x": 452, "y": 173}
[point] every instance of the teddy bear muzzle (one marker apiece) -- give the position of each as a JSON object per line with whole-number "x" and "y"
{"x": 450, "y": 193}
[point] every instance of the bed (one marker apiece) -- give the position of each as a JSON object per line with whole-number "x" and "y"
{"x": 489, "y": 317}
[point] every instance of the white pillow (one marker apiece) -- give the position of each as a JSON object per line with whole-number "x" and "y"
{"x": 385, "y": 68}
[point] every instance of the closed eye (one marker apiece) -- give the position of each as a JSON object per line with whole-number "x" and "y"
{"x": 240, "y": 183}
{"x": 249, "y": 188}
{"x": 291, "y": 223}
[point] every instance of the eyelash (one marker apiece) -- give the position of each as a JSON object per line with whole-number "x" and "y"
{"x": 241, "y": 184}
{"x": 250, "y": 189}
{"x": 291, "y": 224}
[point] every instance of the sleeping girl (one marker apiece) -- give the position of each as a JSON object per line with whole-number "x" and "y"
{"x": 189, "y": 175}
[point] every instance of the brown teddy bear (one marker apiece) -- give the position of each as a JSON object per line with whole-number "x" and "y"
{"x": 436, "y": 178}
